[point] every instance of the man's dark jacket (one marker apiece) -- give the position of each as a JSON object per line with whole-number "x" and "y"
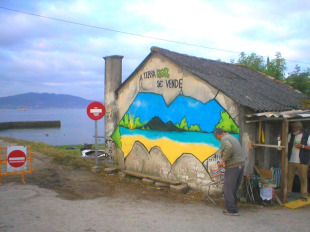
{"x": 303, "y": 153}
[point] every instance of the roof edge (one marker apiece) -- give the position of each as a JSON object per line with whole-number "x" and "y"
{"x": 135, "y": 71}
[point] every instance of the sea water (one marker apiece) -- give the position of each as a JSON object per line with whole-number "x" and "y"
{"x": 76, "y": 126}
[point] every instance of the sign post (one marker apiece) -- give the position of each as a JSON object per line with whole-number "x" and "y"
{"x": 96, "y": 111}
{"x": 18, "y": 161}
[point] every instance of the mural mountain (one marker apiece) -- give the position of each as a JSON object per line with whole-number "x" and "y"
{"x": 148, "y": 105}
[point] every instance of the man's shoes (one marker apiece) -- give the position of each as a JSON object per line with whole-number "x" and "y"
{"x": 230, "y": 214}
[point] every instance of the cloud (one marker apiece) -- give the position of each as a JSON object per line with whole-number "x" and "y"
{"x": 61, "y": 57}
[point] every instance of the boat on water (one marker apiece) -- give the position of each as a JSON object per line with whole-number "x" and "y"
{"x": 22, "y": 109}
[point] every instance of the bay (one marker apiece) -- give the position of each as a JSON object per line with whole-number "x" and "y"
{"x": 76, "y": 126}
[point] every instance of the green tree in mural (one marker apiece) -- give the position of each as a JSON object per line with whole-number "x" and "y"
{"x": 125, "y": 121}
{"x": 183, "y": 124}
{"x": 130, "y": 123}
{"x": 145, "y": 128}
{"x": 195, "y": 128}
{"x": 227, "y": 124}
{"x": 116, "y": 136}
{"x": 137, "y": 123}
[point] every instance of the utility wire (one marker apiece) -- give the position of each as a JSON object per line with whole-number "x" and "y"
{"x": 117, "y": 31}
{"x": 132, "y": 34}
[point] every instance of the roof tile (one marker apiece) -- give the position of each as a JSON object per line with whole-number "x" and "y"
{"x": 247, "y": 87}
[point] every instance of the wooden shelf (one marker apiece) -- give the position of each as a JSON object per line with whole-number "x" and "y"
{"x": 267, "y": 145}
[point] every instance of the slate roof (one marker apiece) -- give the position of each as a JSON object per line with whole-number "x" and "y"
{"x": 293, "y": 114}
{"x": 247, "y": 87}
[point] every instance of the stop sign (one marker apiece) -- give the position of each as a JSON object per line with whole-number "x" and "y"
{"x": 95, "y": 110}
{"x": 16, "y": 158}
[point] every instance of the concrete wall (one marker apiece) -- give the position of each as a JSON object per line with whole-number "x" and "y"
{"x": 165, "y": 119}
{"x": 248, "y": 132}
{"x": 113, "y": 79}
{"x": 29, "y": 124}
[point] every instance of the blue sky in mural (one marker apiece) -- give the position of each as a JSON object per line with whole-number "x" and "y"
{"x": 148, "y": 105}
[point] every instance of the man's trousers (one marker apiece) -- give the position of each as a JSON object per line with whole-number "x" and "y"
{"x": 232, "y": 181}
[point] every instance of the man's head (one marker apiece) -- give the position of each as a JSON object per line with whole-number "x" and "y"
{"x": 219, "y": 133}
{"x": 297, "y": 127}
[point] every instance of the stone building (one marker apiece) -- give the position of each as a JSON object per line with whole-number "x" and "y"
{"x": 160, "y": 121}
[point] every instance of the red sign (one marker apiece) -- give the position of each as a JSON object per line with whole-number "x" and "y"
{"x": 95, "y": 110}
{"x": 17, "y": 158}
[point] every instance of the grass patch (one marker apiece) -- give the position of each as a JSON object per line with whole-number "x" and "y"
{"x": 69, "y": 149}
{"x": 75, "y": 149}
{"x": 60, "y": 154}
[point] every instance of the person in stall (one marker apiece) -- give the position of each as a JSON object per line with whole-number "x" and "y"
{"x": 298, "y": 157}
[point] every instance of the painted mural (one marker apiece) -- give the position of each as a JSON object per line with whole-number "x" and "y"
{"x": 184, "y": 127}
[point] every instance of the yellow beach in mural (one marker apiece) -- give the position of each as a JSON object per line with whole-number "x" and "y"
{"x": 171, "y": 149}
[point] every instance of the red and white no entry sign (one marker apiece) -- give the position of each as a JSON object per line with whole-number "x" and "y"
{"x": 95, "y": 110}
{"x": 17, "y": 158}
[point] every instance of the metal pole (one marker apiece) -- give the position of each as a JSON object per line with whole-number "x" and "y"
{"x": 96, "y": 142}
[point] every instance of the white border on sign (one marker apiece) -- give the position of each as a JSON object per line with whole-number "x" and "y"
{"x": 19, "y": 169}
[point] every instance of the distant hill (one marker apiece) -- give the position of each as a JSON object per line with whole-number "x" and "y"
{"x": 42, "y": 100}
{"x": 157, "y": 124}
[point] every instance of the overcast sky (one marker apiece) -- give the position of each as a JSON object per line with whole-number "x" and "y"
{"x": 48, "y": 56}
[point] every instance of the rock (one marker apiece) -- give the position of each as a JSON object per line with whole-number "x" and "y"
{"x": 95, "y": 169}
{"x": 110, "y": 170}
{"x": 153, "y": 163}
{"x": 160, "y": 184}
{"x": 182, "y": 188}
{"x": 188, "y": 169}
{"x": 147, "y": 181}
{"x": 122, "y": 175}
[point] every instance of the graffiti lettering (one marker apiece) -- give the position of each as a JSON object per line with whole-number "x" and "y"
{"x": 149, "y": 74}
{"x": 159, "y": 84}
{"x": 110, "y": 147}
{"x": 110, "y": 114}
{"x": 162, "y": 73}
{"x": 110, "y": 144}
{"x": 174, "y": 83}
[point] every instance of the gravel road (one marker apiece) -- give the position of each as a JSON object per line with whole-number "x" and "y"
{"x": 30, "y": 208}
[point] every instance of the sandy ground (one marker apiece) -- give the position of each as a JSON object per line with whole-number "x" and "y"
{"x": 61, "y": 198}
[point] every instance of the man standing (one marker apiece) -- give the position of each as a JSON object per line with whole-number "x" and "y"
{"x": 298, "y": 156}
{"x": 233, "y": 160}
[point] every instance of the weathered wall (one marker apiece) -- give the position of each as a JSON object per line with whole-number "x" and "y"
{"x": 166, "y": 117}
{"x": 248, "y": 133}
{"x": 113, "y": 79}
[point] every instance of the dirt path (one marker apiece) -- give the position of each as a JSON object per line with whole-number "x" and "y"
{"x": 79, "y": 183}
{"x": 60, "y": 198}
